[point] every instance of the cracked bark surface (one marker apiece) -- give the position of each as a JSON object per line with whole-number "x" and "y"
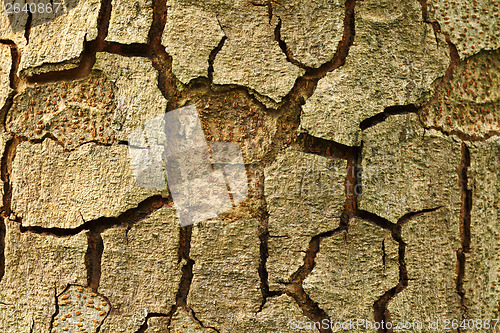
{"x": 37, "y": 268}
{"x": 481, "y": 276}
{"x": 91, "y": 182}
{"x": 423, "y": 182}
{"x": 130, "y": 21}
{"x": 140, "y": 272}
{"x": 369, "y": 133}
{"x": 305, "y": 197}
{"x": 393, "y": 61}
{"x": 57, "y": 39}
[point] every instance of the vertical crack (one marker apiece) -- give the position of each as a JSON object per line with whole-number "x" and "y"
{"x": 27, "y": 28}
{"x": 454, "y": 56}
{"x": 56, "y": 312}
{"x": 352, "y": 182}
{"x": 9, "y": 151}
{"x": 380, "y": 312}
{"x": 465, "y": 222}
{"x": 342, "y": 48}
{"x": 263, "y": 234}
{"x": 187, "y": 270}
{"x": 282, "y": 44}
{"x": 161, "y": 60}
{"x": 211, "y": 57}
{"x": 5, "y": 172}
{"x": 296, "y": 290}
{"x": 384, "y": 255}
{"x": 93, "y": 259}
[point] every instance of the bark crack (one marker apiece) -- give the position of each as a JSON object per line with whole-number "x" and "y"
{"x": 342, "y": 48}
{"x": 213, "y": 54}
{"x": 93, "y": 258}
{"x": 128, "y": 218}
{"x": 88, "y": 55}
{"x": 388, "y": 111}
{"x": 465, "y": 227}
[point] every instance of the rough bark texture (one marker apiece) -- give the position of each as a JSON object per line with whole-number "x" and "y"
{"x": 369, "y": 132}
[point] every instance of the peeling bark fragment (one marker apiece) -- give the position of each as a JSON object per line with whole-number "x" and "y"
{"x": 408, "y": 170}
{"x": 311, "y": 29}
{"x": 251, "y": 57}
{"x": 119, "y": 95}
{"x": 394, "y": 61}
{"x": 225, "y": 289}
{"x": 56, "y": 38}
{"x": 140, "y": 273}
{"x": 5, "y": 66}
{"x": 352, "y": 271}
{"x": 482, "y": 265}
{"x": 470, "y": 103}
{"x": 55, "y": 188}
{"x": 472, "y": 26}
{"x": 305, "y": 196}
{"x": 130, "y": 21}
{"x": 190, "y": 35}
{"x": 37, "y": 268}
{"x": 79, "y": 310}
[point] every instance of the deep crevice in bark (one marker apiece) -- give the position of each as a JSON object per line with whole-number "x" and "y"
{"x": 126, "y": 50}
{"x": 388, "y": 111}
{"x": 295, "y": 288}
{"x": 56, "y": 312}
{"x": 284, "y": 48}
{"x": 465, "y": 226}
{"x": 88, "y": 55}
{"x": 380, "y": 312}
{"x": 376, "y": 220}
{"x": 211, "y": 58}
{"x": 193, "y": 314}
{"x": 16, "y": 58}
{"x": 144, "y": 327}
{"x": 342, "y": 48}
{"x": 27, "y": 28}
{"x": 6, "y": 170}
{"x": 127, "y": 218}
{"x": 322, "y": 147}
{"x": 187, "y": 270}
{"x": 409, "y": 216}
{"x": 263, "y": 234}
{"x": 93, "y": 257}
